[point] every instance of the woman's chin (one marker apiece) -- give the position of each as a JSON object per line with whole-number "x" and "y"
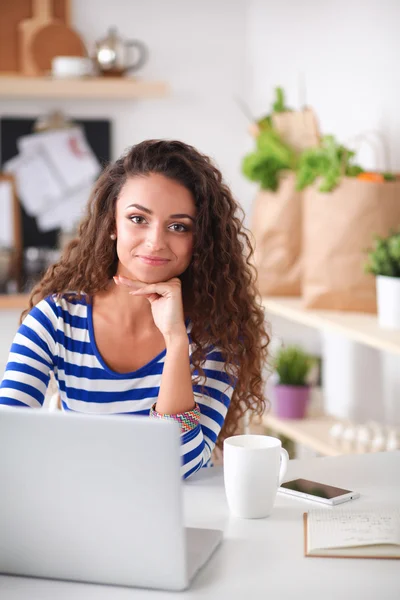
{"x": 148, "y": 274}
{"x": 150, "y": 277}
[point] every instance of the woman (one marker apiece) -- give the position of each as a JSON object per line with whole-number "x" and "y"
{"x": 152, "y": 310}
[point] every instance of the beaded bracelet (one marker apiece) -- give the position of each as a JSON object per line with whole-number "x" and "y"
{"x": 187, "y": 420}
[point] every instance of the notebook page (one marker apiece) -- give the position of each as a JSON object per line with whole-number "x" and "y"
{"x": 340, "y": 528}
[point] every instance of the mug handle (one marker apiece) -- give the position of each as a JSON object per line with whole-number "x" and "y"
{"x": 284, "y": 465}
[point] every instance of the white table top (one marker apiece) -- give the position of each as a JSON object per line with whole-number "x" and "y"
{"x": 264, "y": 558}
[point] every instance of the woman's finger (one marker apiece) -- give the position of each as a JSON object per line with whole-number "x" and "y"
{"x": 139, "y": 288}
{"x": 161, "y": 289}
{"x": 146, "y": 291}
{"x": 121, "y": 280}
{"x": 150, "y": 297}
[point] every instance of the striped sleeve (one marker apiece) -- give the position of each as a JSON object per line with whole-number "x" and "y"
{"x": 31, "y": 358}
{"x": 213, "y": 399}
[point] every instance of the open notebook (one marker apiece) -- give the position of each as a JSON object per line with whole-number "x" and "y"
{"x": 352, "y": 534}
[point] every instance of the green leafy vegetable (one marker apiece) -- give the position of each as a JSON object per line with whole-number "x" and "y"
{"x": 271, "y": 157}
{"x": 279, "y": 104}
{"x": 389, "y": 177}
{"x": 265, "y": 122}
{"x": 277, "y": 107}
{"x": 329, "y": 161}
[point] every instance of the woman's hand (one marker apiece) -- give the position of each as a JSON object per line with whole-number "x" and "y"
{"x": 166, "y": 303}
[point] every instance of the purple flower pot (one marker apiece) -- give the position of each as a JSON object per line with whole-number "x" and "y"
{"x": 291, "y": 401}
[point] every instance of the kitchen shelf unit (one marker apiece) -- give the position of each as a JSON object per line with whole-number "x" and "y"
{"x": 14, "y": 301}
{"x": 313, "y": 431}
{"x": 358, "y": 327}
{"x": 21, "y": 87}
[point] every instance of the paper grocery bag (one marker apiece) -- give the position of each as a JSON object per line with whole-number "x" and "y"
{"x": 338, "y": 227}
{"x": 298, "y": 128}
{"x": 277, "y": 216}
{"x": 276, "y": 226}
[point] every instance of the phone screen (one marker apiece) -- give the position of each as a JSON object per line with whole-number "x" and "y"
{"x": 314, "y": 488}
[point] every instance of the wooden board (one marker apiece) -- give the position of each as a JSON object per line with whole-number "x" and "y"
{"x": 12, "y": 12}
{"x": 27, "y": 31}
{"x": 16, "y": 228}
{"x": 54, "y": 39}
{"x": 14, "y": 301}
{"x": 18, "y": 86}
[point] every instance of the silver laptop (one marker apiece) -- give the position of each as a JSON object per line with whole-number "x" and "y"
{"x": 95, "y": 499}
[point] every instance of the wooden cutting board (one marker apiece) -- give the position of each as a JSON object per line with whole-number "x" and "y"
{"x": 54, "y": 39}
{"x": 42, "y": 37}
{"x": 27, "y": 30}
{"x": 12, "y": 12}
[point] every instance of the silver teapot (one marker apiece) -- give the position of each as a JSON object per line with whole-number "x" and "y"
{"x": 112, "y": 54}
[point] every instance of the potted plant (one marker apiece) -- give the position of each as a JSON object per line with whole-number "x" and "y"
{"x": 292, "y": 392}
{"x": 384, "y": 262}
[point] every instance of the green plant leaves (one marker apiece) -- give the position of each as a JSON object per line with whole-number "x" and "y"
{"x": 279, "y": 104}
{"x": 293, "y": 365}
{"x": 384, "y": 256}
{"x": 271, "y": 157}
{"x": 330, "y": 161}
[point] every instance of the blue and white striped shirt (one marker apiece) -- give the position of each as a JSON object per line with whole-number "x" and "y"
{"x": 57, "y": 336}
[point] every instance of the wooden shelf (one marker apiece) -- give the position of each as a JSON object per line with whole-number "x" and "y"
{"x": 18, "y": 86}
{"x": 14, "y": 301}
{"x": 359, "y": 327}
{"x": 312, "y": 432}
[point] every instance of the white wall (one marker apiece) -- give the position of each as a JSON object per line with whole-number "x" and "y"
{"x": 9, "y": 320}
{"x": 344, "y": 54}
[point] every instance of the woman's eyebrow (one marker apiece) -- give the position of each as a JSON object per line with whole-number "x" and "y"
{"x": 150, "y": 212}
{"x": 140, "y": 207}
{"x": 181, "y": 216}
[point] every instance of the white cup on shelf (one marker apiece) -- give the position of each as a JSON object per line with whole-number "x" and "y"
{"x": 65, "y": 67}
{"x": 254, "y": 468}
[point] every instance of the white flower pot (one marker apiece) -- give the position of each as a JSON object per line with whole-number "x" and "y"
{"x": 388, "y": 297}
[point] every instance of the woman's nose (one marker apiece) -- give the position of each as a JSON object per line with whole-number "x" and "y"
{"x": 155, "y": 238}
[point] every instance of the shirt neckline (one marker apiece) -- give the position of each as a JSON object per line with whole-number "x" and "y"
{"x": 92, "y": 339}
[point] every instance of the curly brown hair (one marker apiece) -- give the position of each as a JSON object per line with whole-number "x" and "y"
{"x": 219, "y": 287}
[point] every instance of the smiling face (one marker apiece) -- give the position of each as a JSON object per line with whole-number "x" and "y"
{"x": 154, "y": 225}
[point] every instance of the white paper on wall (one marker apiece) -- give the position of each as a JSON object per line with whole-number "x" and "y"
{"x": 36, "y": 182}
{"x": 67, "y": 150}
{"x": 6, "y": 215}
{"x": 67, "y": 213}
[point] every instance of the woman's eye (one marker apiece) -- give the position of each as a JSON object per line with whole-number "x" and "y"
{"x": 178, "y": 227}
{"x": 137, "y": 219}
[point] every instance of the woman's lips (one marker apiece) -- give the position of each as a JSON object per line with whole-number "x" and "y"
{"x": 154, "y": 261}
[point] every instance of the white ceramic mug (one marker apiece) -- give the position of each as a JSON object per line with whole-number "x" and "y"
{"x": 71, "y": 66}
{"x": 254, "y": 467}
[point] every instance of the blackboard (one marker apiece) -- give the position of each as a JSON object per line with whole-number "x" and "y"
{"x": 98, "y": 135}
